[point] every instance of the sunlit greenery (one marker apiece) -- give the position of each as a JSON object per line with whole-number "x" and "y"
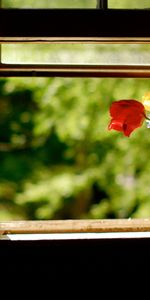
{"x": 128, "y": 4}
{"x": 49, "y": 3}
{"x": 58, "y": 160}
{"x": 76, "y": 53}
{"x": 73, "y": 4}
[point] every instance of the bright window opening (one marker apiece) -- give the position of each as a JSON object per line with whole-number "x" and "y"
{"x": 120, "y": 54}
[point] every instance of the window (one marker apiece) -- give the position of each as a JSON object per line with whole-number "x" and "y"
{"x": 107, "y": 53}
{"x": 74, "y": 199}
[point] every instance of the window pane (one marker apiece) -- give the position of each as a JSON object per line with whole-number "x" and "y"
{"x": 49, "y": 4}
{"x": 57, "y": 158}
{"x": 73, "y": 4}
{"x": 129, "y": 4}
{"x": 76, "y": 53}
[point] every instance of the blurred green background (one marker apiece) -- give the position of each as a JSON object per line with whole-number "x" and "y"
{"x": 57, "y": 158}
{"x": 73, "y": 4}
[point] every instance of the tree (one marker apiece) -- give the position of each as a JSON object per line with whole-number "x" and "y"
{"x": 58, "y": 160}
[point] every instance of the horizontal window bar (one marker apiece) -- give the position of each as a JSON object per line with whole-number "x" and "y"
{"x": 46, "y": 25}
{"x": 74, "y": 226}
{"x": 76, "y": 40}
{"x": 8, "y": 70}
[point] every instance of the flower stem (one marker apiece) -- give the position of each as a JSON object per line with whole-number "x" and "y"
{"x": 147, "y": 118}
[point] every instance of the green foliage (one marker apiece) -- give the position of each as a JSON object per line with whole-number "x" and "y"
{"x": 49, "y": 3}
{"x": 73, "y": 4}
{"x": 58, "y": 159}
{"x": 128, "y": 4}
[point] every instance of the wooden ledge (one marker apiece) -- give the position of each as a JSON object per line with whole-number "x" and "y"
{"x": 74, "y": 70}
{"x": 75, "y": 226}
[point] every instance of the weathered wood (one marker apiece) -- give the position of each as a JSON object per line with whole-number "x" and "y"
{"x": 66, "y": 70}
{"x": 75, "y": 226}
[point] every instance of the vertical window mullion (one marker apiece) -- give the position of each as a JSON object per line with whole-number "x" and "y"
{"x": 102, "y": 4}
{"x": 0, "y": 44}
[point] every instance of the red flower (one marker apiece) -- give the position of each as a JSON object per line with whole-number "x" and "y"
{"x": 127, "y": 115}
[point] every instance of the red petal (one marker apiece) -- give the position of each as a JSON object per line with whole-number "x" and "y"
{"x": 115, "y": 125}
{"x": 124, "y": 106}
{"x": 127, "y": 115}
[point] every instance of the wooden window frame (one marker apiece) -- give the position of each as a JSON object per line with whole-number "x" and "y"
{"x": 85, "y": 26}
{"x": 75, "y": 226}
